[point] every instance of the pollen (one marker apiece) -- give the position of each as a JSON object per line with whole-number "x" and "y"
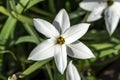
{"x": 110, "y": 2}
{"x": 60, "y": 40}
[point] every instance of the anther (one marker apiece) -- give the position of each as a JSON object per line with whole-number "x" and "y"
{"x": 60, "y": 40}
{"x": 110, "y": 2}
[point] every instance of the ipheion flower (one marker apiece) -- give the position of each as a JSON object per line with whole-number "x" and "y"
{"x": 61, "y": 37}
{"x": 111, "y": 9}
{"x": 72, "y": 73}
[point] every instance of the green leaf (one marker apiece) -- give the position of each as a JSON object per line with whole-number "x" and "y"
{"x": 23, "y": 19}
{"x": 10, "y": 23}
{"x": 52, "y": 6}
{"x": 3, "y": 10}
{"x": 10, "y": 52}
{"x": 12, "y": 5}
{"x": 22, "y": 5}
{"x": 24, "y": 39}
{"x": 108, "y": 52}
{"x": 40, "y": 11}
{"x": 76, "y": 14}
{"x": 100, "y": 46}
{"x": 90, "y": 78}
{"x": 32, "y": 32}
{"x": 34, "y": 67}
{"x": 6, "y": 30}
{"x": 32, "y": 3}
{"x": 117, "y": 47}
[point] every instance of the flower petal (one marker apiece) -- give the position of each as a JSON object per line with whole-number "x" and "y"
{"x": 61, "y": 21}
{"x": 75, "y": 32}
{"x": 112, "y": 17}
{"x": 72, "y": 73}
{"x": 96, "y": 13}
{"x": 89, "y": 5}
{"x": 45, "y": 28}
{"x": 61, "y": 57}
{"x": 79, "y": 50}
{"x": 43, "y": 51}
{"x": 13, "y": 77}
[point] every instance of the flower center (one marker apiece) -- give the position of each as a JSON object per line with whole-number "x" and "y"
{"x": 60, "y": 40}
{"x": 110, "y": 2}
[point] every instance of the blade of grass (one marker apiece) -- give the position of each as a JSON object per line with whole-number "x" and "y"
{"x": 32, "y": 3}
{"x": 10, "y": 52}
{"x": 12, "y": 5}
{"x": 11, "y": 22}
{"x": 22, "y": 5}
{"x": 40, "y": 11}
{"x": 49, "y": 71}
{"x": 23, "y": 19}
{"x": 7, "y": 28}
{"x": 32, "y": 32}
{"x": 25, "y": 39}
{"x": 34, "y": 67}
{"x": 52, "y": 6}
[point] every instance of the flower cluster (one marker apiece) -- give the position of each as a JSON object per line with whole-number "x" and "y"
{"x": 62, "y": 41}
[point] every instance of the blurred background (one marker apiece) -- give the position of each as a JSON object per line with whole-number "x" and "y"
{"x": 18, "y": 37}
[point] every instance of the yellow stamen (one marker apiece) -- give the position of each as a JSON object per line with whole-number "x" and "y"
{"x": 60, "y": 40}
{"x": 110, "y": 2}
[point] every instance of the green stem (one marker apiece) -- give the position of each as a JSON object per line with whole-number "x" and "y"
{"x": 52, "y": 6}
{"x": 49, "y": 71}
{"x": 85, "y": 18}
{"x": 40, "y": 11}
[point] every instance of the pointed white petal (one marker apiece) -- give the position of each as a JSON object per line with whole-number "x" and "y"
{"x": 72, "y": 73}
{"x": 112, "y": 16}
{"x": 75, "y": 32}
{"x": 79, "y": 50}
{"x": 95, "y": 14}
{"x": 43, "y": 51}
{"x": 89, "y": 5}
{"x": 45, "y": 28}
{"x": 61, "y": 57}
{"x": 13, "y": 77}
{"x": 61, "y": 21}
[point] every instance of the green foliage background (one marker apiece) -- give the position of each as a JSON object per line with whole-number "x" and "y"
{"x": 18, "y": 37}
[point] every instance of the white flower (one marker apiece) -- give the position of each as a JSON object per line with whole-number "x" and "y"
{"x": 111, "y": 10}
{"x": 61, "y": 38}
{"x": 72, "y": 73}
{"x": 13, "y": 77}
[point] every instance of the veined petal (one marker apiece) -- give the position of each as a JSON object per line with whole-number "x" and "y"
{"x": 61, "y": 21}
{"x": 45, "y": 28}
{"x": 79, "y": 50}
{"x": 61, "y": 57}
{"x": 72, "y": 73}
{"x": 75, "y": 32}
{"x": 89, "y": 5}
{"x": 43, "y": 51}
{"x": 112, "y": 17}
{"x": 96, "y": 13}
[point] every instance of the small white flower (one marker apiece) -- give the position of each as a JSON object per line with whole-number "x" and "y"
{"x": 111, "y": 10}
{"x": 72, "y": 73}
{"x": 13, "y": 77}
{"x": 61, "y": 38}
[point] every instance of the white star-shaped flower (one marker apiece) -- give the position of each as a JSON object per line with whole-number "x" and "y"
{"x": 72, "y": 73}
{"x": 62, "y": 41}
{"x": 111, "y": 9}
